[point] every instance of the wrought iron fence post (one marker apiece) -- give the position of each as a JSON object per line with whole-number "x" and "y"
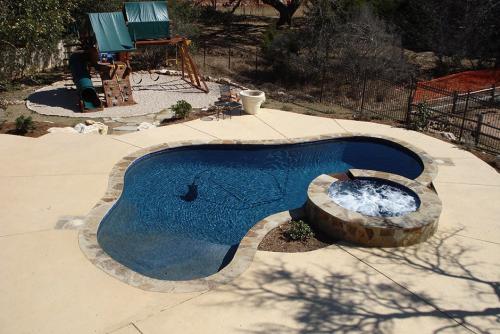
{"x": 204, "y": 54}
{"x": 480, "y": 118}
{"x": 362, "y": 107}
{"x": 455, "y": 98}
{"x": 493, "y": 94}
{"x": 256, "y": 60}
{"x": 322, "y": 85}
{"x": 464, "y": 116}
{"x": 412, "y": 93}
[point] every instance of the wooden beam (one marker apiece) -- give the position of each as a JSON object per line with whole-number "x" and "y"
{"x": 170, "y": 41}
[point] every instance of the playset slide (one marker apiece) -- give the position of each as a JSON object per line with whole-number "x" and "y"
{"x": 89, "y": 100}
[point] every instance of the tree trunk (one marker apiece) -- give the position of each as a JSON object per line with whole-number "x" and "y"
{"x": 286, "y": 10}
{"x": 285, "y": 17}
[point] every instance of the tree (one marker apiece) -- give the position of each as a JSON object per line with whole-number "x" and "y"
{"x": 30, "y": 30}
{"x": 79, "y": 13}
{"x": 349, "y": 37}
{"x": 286, "y": 9}
{"x": 456, "y": 29}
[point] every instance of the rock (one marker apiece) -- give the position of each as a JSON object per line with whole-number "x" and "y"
{"x": 497, "y": 161}
{"x": 89, "y": 122}
{"x": 223, "y": 81}
{"x": 95, "y": 128}
{"x": 448, "y": 135}
{"x": 84, "y": 129}
{"x": 80, "y": 127}
{"x": 425, "y": 60}
{"x": 62, "y": 130}
{"x": 145, "y": 126}
{"x": 103, "y": 128}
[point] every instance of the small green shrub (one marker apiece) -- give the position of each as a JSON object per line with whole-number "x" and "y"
{"x": 24, "y": 124}
{"x": 181, "y": 109}
{"x": 299, "y": 231}
{"x": 421, "y": 119}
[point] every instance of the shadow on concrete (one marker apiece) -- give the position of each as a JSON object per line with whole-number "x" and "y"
{"x": 57, "y": 97}
{"x": 335, "y": 302}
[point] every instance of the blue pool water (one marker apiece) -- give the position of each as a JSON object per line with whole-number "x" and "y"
{"x": 184, "y": 211}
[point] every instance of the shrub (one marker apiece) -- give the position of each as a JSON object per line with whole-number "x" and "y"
{"x": 299, "y": 231}
{"x": 181, "y": 109}
{"x": 24, "y": 124}
{"x": 420, "y": 121}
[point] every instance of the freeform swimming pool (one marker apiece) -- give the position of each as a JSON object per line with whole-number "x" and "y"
{"x": 183, "y": 211}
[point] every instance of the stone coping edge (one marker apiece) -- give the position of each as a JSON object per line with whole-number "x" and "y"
{"x": 248, "y": 246}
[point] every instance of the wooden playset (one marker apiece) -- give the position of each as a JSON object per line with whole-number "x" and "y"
{"x": 107, "y": 46}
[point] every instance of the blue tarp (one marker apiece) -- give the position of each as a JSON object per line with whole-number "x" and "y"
{"x": 111, "y": 32}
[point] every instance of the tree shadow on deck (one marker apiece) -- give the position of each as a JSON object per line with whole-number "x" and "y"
{"x": 358, "y": 299}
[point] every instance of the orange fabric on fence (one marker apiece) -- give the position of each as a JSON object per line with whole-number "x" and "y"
{"x": 461, "y": 82}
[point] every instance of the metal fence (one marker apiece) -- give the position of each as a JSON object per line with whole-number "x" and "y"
{"x": 471, "y": 118}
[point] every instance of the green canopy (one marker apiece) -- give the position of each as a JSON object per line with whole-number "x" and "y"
{"x": 111, "y": 32}
{"x": 147, "y": 20}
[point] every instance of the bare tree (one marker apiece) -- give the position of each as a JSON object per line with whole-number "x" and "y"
{"x": 367, "y": 45}
{"x": 351, "y": 40}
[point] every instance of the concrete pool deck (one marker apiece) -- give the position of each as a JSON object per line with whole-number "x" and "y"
{"x": 447, "y": 284}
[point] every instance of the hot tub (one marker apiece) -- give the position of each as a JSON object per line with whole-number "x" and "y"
{"x": 373, "y": 208}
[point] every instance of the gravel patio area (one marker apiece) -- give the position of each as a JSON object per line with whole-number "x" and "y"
{"x": 60, "y": 98}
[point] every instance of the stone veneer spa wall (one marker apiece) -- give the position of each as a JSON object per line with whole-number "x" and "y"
{"x": 341, "y": 223}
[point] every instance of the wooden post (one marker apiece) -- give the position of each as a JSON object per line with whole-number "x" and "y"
{"x": 229, "y": 57}
{"x": 480, "y": 118}
{"x": 464, "y": 115}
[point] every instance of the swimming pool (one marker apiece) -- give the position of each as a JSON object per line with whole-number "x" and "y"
{"x": 183, "y": 211}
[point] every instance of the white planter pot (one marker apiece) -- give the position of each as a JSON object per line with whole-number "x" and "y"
{"x": 251, "y": 100}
